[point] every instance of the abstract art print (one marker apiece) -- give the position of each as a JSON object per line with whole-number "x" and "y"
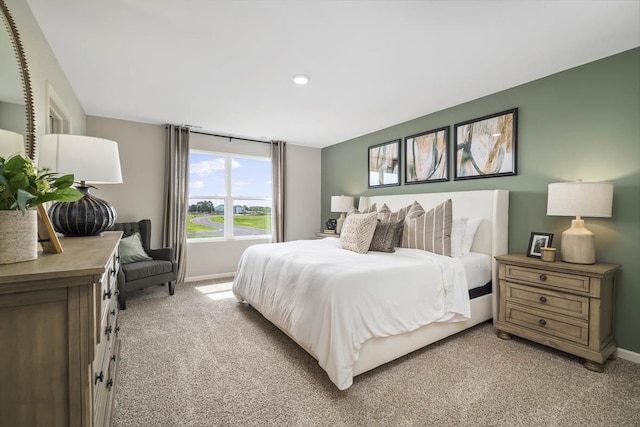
{"x": 486, "y": 147}
{"x": 384, "y": 164}
{"x": 426, "y": 157}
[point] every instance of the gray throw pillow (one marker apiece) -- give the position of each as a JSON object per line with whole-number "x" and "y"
{"x": 131, "y": 249}
{"x": 386, "y": 236}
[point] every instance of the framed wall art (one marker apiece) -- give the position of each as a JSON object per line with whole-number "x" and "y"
{"x": 537, "y": 241}
{"x": 486, "y": 147}
{"x": 426, "y": 158}
{"x": 384, "y": 164}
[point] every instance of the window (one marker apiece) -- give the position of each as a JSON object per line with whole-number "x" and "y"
{"x": 229, "y": 196}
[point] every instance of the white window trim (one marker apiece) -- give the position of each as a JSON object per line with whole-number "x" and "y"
{"x": 228, "y": 207}
{"x": 56, "y": 109}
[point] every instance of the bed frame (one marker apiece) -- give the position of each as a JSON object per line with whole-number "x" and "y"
{"x": 491, "y": 238}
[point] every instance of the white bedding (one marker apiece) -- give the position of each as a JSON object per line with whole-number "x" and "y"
{"x": 331, "y": 300}
{"x": 478, "y": 268}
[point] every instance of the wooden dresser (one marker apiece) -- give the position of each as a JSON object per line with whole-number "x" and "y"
{"x": 566, "y": 306}
{"x": 59, "y": 345}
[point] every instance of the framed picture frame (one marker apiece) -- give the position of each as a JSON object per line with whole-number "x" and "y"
{"x": 486, "y": 147}
{"x": 47, "y": 236}
{"x": 384, "y": 164}
{"x": 426, "y": 157}
{"x": 537, "y": 241}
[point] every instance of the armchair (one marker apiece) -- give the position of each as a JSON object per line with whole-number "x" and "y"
{"x": 162, "y": 268}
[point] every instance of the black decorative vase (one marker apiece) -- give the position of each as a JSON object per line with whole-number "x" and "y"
{"x": 88, "y": 216}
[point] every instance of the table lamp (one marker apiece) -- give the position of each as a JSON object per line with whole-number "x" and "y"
{"x": 91, "y": 161}
{"x": 590, "y": 199}
{"x": 341, "y": 204}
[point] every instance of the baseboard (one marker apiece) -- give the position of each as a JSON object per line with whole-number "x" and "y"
{"x": 628, "y": 355}
{"x": 209, "y": 277}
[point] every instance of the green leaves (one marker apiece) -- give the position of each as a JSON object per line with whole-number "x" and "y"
{"x": 22, "y": 186}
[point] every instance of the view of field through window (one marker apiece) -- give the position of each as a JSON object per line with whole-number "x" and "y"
{"x": 229, "y": 196}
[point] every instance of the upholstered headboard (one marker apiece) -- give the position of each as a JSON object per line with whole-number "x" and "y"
{"x": 490, "y": 205}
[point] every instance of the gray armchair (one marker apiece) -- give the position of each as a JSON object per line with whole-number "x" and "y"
{"x": 137, "y": 275}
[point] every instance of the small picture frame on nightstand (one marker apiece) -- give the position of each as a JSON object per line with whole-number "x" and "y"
{"x": 537, "y": 241}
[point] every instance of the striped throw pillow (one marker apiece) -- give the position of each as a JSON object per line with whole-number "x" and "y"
{"x": 370, "y": 209}
{"x": 429, "y": 231}
{"x": 357, "y": 232}
{"x": 385, "y": 214}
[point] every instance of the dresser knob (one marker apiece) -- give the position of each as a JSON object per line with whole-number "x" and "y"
{"x": 543, "y": 300}
{"x": 112, "y": 272}
{"x": 108, "y": 330}
{"x": 109, "y": 383}
{"x": 542, "y": 322}
{"x": 113, "y": 358}
{"x": 99, "y": 377}
{"x": 543, "y": 277}
{"x": 106, "y": 294}
{"x": 117, "y": 329}
{"x": 113, "y": 312}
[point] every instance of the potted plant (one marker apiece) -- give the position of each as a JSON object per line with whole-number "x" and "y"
{"x": 23, "y": 186}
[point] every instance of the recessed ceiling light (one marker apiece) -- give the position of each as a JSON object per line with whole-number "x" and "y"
{"x": 300, "y": 79}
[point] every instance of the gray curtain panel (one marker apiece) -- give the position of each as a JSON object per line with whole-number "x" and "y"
{"x": 174, "y": 233}
{"x": 278, "y": 150}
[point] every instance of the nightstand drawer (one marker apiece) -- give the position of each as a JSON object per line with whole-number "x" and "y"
{"x": 548, "y": 278}
{"x": 543, "y": 299}
{"x": 551, "y": 324}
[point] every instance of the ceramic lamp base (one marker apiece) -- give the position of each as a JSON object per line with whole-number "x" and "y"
{"x": 340, "y": 223}
{"x": 88, "y": 216}
{"x": 578, "y": 245}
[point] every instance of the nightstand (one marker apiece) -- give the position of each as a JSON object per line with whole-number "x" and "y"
{"x": 566, "y": 306}
{"x": 321, "y": 235}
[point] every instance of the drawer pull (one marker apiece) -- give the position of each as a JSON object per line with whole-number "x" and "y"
{"x": 113, "y": 358}
{"x": 542, "y": 322}
{"x": 113, "y": 312}
{"x": 117, "y": 329}
{"x": 543, "y": 277}
{"x": 108, "y": 330}
{"x": 109, "y": 383}
{"x": 99, "y": 377}
{"x": 113, "y": 272}
{"x": 118, "y": 258}
{"x": 543, "y": 300}
{"x": 106, "y": 294}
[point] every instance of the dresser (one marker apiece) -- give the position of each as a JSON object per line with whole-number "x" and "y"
{"x": 59, "y": 345}
{"x": 566, "y": 306}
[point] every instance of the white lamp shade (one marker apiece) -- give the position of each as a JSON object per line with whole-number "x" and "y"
{"x": 89, "y": 159}
{"x": 11, "y": 143}
{"x": 341, "y": 203}
{"x": 589, "y": 199}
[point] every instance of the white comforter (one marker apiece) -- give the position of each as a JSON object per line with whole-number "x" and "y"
{"x": 330, "y": 300}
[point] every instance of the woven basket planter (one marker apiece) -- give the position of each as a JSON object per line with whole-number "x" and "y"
{"x": 18, "y": 236}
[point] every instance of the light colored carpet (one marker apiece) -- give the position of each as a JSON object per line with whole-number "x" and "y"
{"x": 199, "y": 358}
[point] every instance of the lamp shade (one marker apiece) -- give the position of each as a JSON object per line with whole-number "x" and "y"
{"x": 89, "y": 159}
{"x": 589, "y": 199}
{"x": 11, "y": 143}
{"x": 341, "y": 203}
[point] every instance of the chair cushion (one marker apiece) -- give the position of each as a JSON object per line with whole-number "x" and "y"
{"x": 144, "y": 269}
{"x": 131, "y": 249}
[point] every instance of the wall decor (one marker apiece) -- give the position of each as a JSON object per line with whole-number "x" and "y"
{"x": 384, "y": 164}
{"x": 486, "y": 147}
{"x": 426, "y": 158}
{"x": 537, "y": 241}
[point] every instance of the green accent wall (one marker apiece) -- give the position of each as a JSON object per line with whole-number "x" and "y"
{"x": 583, "y": 123}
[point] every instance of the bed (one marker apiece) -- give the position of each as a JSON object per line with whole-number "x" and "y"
{"x": 354, "y": 312}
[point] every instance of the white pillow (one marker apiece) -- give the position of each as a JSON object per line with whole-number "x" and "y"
{"x": 469, "y": 234}
{"x": 457, "y": 234}
{"x": 357, "y": 232}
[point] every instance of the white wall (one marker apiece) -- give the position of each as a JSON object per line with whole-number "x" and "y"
{"x": 43, "y": 67}
{"x": 142, "y": 157}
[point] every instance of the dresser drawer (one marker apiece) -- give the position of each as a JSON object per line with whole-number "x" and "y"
{"x": 543, "y": 299}
{"x": 551, "y": 324}
{"x": 548, "y": 278}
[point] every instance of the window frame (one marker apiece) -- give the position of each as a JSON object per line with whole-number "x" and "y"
{"x": 228, "y": 198}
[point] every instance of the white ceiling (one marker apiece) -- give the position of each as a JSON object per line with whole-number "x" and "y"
{"x": 227, "y": 65}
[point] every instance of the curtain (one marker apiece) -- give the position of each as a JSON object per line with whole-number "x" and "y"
{"x": 174, "y": 232}
{"x": 278, "y": 149}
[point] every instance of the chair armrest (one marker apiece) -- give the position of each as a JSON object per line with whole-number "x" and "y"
{"x": 166, "y": 254}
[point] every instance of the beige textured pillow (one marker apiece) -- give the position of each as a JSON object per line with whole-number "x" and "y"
{"x": 357, "y": 232}
{"x": 429, "y": 231}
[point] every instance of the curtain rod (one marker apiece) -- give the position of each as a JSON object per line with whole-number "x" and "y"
{"x": 227, "y": 136}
